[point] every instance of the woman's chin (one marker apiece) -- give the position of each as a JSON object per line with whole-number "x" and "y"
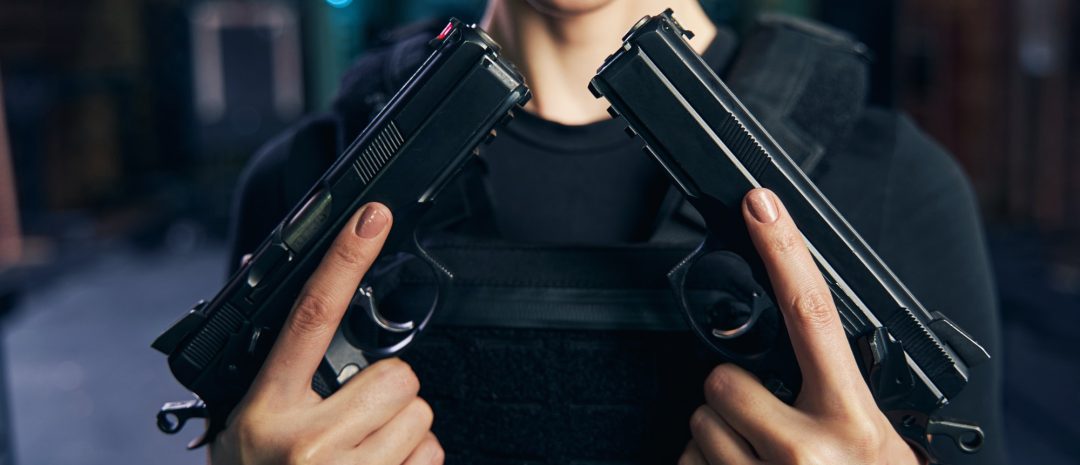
{"x": 564, "y": 8}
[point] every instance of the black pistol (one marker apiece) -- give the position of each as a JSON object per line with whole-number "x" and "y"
{"x": 715, "y": 151}
{"x": 410, "y": 151}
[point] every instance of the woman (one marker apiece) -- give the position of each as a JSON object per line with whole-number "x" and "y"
{"x": 563, "y": 173}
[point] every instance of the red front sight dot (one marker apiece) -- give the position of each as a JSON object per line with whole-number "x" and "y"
{"x": 446, "y": 31}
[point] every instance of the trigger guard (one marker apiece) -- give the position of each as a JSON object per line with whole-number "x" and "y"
{"x": 442, "y": 278}
{"x": 343, "y": 352}
{"x": 678, "y": 276}
{"x": 443, "y": 274}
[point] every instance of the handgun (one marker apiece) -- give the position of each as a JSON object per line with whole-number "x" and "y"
{"x": 715, "y": 151}
{"x": 410, "y": 151}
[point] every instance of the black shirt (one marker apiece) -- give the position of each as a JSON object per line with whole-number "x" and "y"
{"x": 513, "y": 395}
{"x": 552, "y": 183}
{"x": 584, "y": 184}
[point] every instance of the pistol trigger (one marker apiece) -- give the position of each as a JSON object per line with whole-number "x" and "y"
{"x": 368, "y": 294}
{"x": 173, "y": 415}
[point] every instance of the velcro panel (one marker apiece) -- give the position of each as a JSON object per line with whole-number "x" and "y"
{"x": 560, "y": 396}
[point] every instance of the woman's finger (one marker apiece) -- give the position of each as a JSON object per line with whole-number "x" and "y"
{"x": 429, "y": 452}
{"x": 369, "y": 400}
{"x": 692, "y": 455}
{"x": 397, "y": 439}
{"x": 821, "y": 346}
{"x": 322, "y": 303}
{"x": 745, "y": 404}
{"x": 718, "y": 441}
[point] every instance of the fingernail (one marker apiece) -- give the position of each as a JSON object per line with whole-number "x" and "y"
{"x": 762, "y": 206}
{"x": 372, "y": 222}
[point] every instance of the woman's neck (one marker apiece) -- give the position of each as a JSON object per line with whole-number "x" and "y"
{"x": 559, "y": 52}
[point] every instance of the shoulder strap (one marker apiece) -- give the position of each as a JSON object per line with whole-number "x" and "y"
{"x": 366, "y": 89}
{"x": 312, "y": 145}
{"x": 374, "y": 78}
{"x": 805, "y": 82}
{"x": 310, "y": 148}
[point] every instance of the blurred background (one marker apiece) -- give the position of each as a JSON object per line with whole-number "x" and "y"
{"x": 127, "y": 122}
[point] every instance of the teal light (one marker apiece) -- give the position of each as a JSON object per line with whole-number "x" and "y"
{"x": 339, "y": 3}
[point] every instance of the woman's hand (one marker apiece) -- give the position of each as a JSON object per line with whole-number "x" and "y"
{"x": 375, "y": 418}
{"x": 834, "y": 420}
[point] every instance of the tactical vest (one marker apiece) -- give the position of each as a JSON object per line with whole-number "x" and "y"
{"x": 550, "y": 354}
